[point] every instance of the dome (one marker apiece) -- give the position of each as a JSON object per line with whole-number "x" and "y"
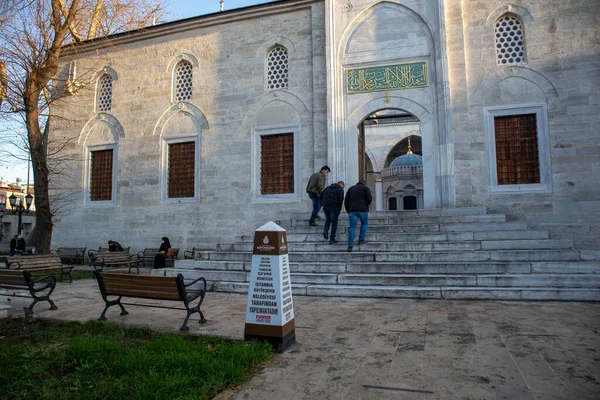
{"x": 407, "y": 159}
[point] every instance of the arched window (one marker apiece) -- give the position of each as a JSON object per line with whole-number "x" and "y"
{"x": 277, "y": 68}
{"x": 510, "y": 41}
{"x": 104, "y": 93}
{"x": 183, "y": 81}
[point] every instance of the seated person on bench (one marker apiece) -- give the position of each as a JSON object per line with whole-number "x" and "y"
{"x": 17, "y": 245}
{"x": 160, "y": 258}
{"x": 114, "y": 246}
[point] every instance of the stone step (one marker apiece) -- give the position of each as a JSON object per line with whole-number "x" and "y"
{"x": 525, "y": 244}
{"x": 295, "y": 237}
{"x": 521, "y": 293}
{"x": 566, "y": 267}
{"x": 463, "y": 227}
{"x": 505, "y": 280}
{"x": 421, "y": 228}
{"x": 413, "y": 213}
{"x": 361, "y": 256}
{"x": 370, "y": 246}
{"x": 443, "y": 292}
{"x": 541, "y": 280}
{"x": 323, "y": 245}
{"x": 343, "y": 220}
{"x": 407, "y": 280}
{"x": 542, "y": 267}
{"x": 438, "y": 268}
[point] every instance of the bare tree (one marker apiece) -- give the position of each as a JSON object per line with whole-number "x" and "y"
{"x": 32, "y": 36}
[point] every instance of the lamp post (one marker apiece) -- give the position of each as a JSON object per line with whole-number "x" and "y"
{"x": 20, "y": 208}
{"x": 2, "y": 206}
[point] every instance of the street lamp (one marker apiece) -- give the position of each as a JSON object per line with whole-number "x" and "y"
{"x": 20, "y": 208}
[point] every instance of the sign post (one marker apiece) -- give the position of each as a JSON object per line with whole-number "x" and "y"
{"x": 270, "y": 309}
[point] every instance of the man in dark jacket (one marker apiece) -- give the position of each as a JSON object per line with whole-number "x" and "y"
{"x": 332, "y": 200}
{"x": 357, "y": 204}
{"x": 17, "y": 245}
{"x": 314, "y": 188}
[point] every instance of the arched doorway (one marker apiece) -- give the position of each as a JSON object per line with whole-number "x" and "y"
{"x": 392, "y": 204}
{"x": 383, "y": 136}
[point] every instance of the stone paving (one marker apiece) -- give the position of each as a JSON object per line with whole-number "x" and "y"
{"x": 391, "y": 348}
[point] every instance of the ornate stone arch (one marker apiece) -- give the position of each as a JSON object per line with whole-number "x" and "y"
{"x": 114, "y": 125}
{"x": 373, "y": 160}
{"x": 287, "y": 97}
{"x": 516, "y": 72}
{"x": 181, "y": 57}
{"x": 519, "y": 11}
{"x": 358, "y": 19}
{"x": 106, "y": 70}
{"x": 184, "y": 107}
{"x": 271, "y": 43}
{"x": 395, "y": 102}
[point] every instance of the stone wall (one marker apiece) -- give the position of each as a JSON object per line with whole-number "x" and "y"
{"x": 562, "y": 72}
{"x": 229, "y": 101}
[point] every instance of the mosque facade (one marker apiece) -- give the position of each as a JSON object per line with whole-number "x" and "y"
{"x": 205, "y": 128}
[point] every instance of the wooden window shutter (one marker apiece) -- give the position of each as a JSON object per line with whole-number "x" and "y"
{"x": 101, "y": 175}
{"x": 517, "y": 159}
{"x": 182, "y": 169}
{"x": 277, "y": 164}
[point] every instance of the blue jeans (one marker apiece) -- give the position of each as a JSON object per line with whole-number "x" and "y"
{"x": 354, "y": 216}
{"x": 331, "y": 218}
{"x": 316, "y": 206}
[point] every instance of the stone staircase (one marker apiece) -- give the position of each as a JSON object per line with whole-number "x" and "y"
{"x": 460, "y": 253}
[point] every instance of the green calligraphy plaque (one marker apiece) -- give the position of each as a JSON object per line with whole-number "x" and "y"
{"x": 389, "y": 77}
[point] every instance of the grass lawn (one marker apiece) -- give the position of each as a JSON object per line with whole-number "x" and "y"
{"x": 43, "y": 359}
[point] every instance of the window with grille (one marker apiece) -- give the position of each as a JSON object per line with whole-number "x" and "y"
{"x": 277, "y": 68}
{"x": 183, "y": 81}
{"x": 181, "y": 177}
{"x": 104, "y": 93}
{"x": 510, "y": 44}
{"x": 277, "y": 164}
{"x": 517, "y": 159}
{"x": 101, "y": 179}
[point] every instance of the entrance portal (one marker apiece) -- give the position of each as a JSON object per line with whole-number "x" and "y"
{"x": 386, "y": 138}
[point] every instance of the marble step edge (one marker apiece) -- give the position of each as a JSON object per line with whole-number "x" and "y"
{"x": 492, "y": 235}
{"x": 521, "y": 244}
{"x": 446, "y": 267}
{"x": 422, "y": 211}
{"x": 409, "y": 256}
{"x": 438, "y": 292}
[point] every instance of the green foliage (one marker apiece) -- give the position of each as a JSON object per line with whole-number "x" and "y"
{"x": 45, "y": 359}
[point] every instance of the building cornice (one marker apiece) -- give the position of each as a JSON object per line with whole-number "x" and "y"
{"x": 183, "y": 25}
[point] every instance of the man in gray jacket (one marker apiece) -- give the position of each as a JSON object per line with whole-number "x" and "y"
{"x": 315, "y": 186}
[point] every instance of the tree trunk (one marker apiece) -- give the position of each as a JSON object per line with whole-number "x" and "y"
{"x": 37, "y": 145}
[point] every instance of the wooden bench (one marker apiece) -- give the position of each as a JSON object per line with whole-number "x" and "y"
{"x": 150, "y": 287}
{"x": 147, "y": 257}
{"x": 113, "y": 259}
{"x": 40, "y": 262}
{"x": 71, "y": 255}
{"x": 21, "y": 280}
{"x": 105, "y": 249}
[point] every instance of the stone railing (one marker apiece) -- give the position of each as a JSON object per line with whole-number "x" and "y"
{"x": 402, "y": 171}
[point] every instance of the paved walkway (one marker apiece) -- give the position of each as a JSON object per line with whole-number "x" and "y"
{"x": 393, "y": 349}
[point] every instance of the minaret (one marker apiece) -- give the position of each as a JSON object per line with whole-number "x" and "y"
{"x": 222, "y": 2}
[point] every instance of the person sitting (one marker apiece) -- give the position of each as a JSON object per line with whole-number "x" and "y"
{"x": 161, "y": 257}
{"x": 114, "y": 246}
{"x": 17, "y": 245}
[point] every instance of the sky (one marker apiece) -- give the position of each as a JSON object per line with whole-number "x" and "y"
{"x": 11, "y": 169}
{"x": 193, "y": 8}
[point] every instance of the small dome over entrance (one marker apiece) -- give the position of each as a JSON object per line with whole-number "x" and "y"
{"x": 407, "y": 159}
